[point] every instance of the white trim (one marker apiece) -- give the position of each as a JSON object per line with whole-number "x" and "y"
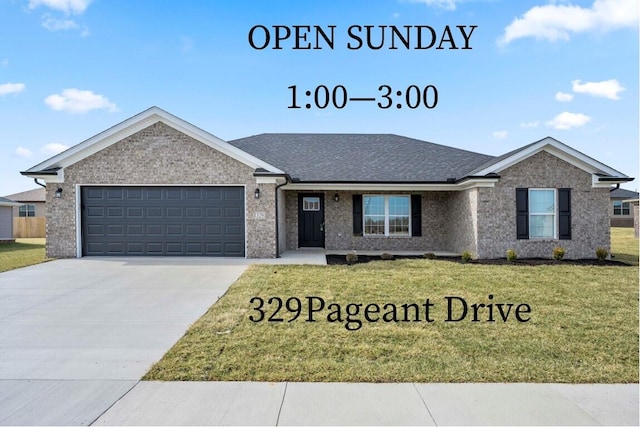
{"x": 79, "y": 213}
{"x": 11, "y": 204}
{"x": 137, "y": 123}
{"x": 471, "y": 183}
{"x": 78, "y": 222}
{"x": 556, "y": 216}
{"x": 557, "y": 149}
{"x": 386, "y": 215}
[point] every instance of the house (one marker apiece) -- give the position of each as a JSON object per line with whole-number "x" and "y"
{"x": 6, "y": 219}
{"x": 31, "y": 203}
{"x": 157, "y": 185}
{"x": 620, "y": 210}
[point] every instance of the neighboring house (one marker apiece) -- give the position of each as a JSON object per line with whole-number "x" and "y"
{"x": 157, "y": 185}
{"x": 31, "y": 203}
{"x": 620, "y": 210}
{"x": 6, "y": 219}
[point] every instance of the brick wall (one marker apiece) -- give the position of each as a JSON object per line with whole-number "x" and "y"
{"x": 160, "y": 154}
{"x": 497, "y": 211}
{"x": 339, "y": 224}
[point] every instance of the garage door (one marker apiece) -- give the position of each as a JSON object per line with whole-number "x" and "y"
{"x": 173, "y": 221}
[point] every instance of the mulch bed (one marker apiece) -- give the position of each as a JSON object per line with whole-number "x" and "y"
{"x": 341, "y": 260}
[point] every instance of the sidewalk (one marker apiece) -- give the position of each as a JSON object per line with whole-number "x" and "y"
{"x": 252, "y": 403}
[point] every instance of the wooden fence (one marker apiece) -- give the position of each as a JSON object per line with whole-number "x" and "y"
{"x": 29, "y": 227}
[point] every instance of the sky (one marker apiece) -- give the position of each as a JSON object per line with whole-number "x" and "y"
{"x": 70, "y": 69}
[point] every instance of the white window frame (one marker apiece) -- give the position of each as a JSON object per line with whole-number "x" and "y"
{"x": 622, "y": 208}
{"x": 554, "y": 214}
{"x": 26, "y": 209}
{"x": 386, "y": 215}
{"x": 309, "y": 205}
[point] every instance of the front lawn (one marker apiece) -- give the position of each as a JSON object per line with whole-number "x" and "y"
{"x": 21, "y": 253}
{"x": 583, "y": 326}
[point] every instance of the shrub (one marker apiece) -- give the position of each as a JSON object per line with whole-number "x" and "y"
{"x": 558, "y": 253}
{"x": 429, "y": 255}
{"x": 511, "y": 255}
{"x": 466, "y": 256}
{"x": 386, "y": 256}
{"x": 602, "y": 253}
{"x": 352, "y": 258}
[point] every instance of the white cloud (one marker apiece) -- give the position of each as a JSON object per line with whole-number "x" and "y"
{"x": 76, "y": 7}
{"x": 554, "y": 22}
{"x": 529, "y": 125}
{"x": 186, "y": 44}
{"x": 4, "y": 63}
{"x": 7, "y": 88}
{"x": 25, "y": 153}
{"x": 566, "y": 121}
{"x": 440, "y": 4}
{"x": 499, "y": 134}
{"x": 606, "y": 89}
{"x": 563, "y": 97}
{"x": 54, "y": 148}
{"x": 395, "y": 15}
{"x": 53, "y": 24}
{"x": 79, "y": 101}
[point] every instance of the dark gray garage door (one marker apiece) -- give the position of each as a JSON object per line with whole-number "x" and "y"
{"x": 163, "y": 221}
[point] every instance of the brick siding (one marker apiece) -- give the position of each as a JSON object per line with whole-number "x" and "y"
{"x": 159, "y": 155}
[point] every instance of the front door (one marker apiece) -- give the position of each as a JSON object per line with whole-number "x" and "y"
{"x": 311, "y": 220}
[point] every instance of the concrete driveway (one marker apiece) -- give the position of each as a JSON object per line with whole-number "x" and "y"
{"x": 78, "y": 334}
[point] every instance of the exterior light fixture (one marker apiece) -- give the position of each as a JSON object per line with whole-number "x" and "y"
{"x": 58, "y": 193}
{"x": 336, "y": 197}
{"x": 257, "y": 193}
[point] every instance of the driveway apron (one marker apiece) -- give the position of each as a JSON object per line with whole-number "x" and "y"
{"x": 78, "y": 334}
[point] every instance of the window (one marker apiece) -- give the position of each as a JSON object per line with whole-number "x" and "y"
{"x": 621, "y": 208}
{"x": 542, "y": 213}
{"x": 386, "y": 215}
{"x": 26, "y": 210}
{"x": 311, "y": 203}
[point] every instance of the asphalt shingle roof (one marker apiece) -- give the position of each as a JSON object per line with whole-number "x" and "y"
{"x": 621, "y": 193}
{"x": 35, "y": 195}
{"x": 361, "y": 157}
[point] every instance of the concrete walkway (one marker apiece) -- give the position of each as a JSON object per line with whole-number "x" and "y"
{"x": 251, "y": 403}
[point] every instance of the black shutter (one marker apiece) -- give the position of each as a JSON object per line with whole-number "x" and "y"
{"x": 564, "y": 211}
{"x": 357, "y": 214}
{"x": 522, "y": 213}
{"x": 416, "y": 215}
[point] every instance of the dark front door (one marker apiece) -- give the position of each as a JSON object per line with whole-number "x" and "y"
{"x": 311, "y": 220}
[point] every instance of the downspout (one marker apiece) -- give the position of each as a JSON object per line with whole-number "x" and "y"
{"x": 42, "y": 185}
{"x": 286, "y": 181}
{"x": 615, "y": 188}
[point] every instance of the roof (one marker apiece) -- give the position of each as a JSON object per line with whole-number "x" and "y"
{"x": 621, "y": 193}
{"x": 34, "y": 195}
{"x": 7, "y": 202}
{"x": 361, "y": 157}
{"x": 338, "y": 159}
{"x": 50, "y": 168}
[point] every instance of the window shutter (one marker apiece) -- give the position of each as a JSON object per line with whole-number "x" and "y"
{"x": 357, "y": 214}
{"x": 416, "y": 215}
{"x": 522, "y": 213}
{"x": 564, "y": 211}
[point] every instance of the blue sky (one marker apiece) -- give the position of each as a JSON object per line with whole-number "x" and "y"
{"x": 70, "y": 69}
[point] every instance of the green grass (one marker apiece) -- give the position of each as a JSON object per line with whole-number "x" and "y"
{"x": 22, "y": 253}
{"x": 624, "y": 247}
{"x": 583, "y": 327}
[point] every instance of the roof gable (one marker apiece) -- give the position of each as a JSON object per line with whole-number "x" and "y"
{"x": 558, "y": 149}
{"x": 135, "y": 124}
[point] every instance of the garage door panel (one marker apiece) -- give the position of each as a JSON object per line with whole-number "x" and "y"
{"x": 163, "y": 221}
